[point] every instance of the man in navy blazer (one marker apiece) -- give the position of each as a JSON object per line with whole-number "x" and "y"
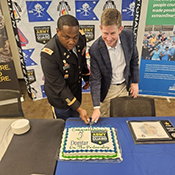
{"x": 114, "y": 64}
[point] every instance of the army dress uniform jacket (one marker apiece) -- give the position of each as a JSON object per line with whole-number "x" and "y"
{"x": 63, "y": 73}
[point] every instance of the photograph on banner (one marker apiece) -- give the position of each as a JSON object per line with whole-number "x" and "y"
{"x": 8, "y": 77}
{"x": 5, "y": 52}
{"x": 157, "y": 66}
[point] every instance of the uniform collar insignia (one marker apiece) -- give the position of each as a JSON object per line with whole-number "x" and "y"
{"x": 47, "y": 50}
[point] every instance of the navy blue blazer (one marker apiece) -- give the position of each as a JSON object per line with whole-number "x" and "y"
{"x": 101, "y": 70}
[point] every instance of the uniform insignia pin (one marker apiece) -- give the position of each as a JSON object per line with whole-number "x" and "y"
{"x": 66, "y": 76}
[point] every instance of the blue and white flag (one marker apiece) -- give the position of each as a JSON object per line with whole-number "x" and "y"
{"x": 37, "y": 11}
{"x": 84, "y": 10}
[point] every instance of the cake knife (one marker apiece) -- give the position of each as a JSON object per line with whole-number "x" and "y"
{"x": 90, "y": 124}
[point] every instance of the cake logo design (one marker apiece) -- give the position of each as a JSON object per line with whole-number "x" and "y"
{"x": 99, "y": 137}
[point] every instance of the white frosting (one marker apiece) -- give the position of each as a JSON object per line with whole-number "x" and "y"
{"x": 78, "y": 143}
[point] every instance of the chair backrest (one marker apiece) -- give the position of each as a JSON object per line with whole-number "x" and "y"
{"x": 10, "y": 103}
{"x": 132, "y": 107}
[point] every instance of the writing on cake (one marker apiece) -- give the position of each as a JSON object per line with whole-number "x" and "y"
{"x": 83, "y": 143}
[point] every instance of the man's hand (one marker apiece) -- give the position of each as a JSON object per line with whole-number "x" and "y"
{"x": 96, "y": 115}
{"x": 83, "y": 114}
{"x": 86, "y": 85}
{"x": 134, "y": 90}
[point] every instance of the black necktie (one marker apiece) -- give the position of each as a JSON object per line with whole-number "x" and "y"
{"x": 74, "y": 55}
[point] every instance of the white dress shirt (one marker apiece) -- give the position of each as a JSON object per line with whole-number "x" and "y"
{"x": 117, "y": 62}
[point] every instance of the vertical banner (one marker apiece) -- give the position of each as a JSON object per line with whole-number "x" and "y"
{"x": 15, "y": 17}
{"x": 8, "y": 77}
{"x": 137, "y": 10}
{"x": 157, "y": 70}
{"x": 36, "y": 22}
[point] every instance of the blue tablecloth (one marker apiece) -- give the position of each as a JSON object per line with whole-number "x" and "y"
{"x": 147, "y": 159}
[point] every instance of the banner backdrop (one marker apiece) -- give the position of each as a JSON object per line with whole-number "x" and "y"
{"x": 8, "y": 78}
{"x": 138, "y": 5}
{"x": 36, "y": 24}
{"x": 157, "y": 70}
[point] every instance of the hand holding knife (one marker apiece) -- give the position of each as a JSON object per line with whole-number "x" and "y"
{"x": 90, "y": 123}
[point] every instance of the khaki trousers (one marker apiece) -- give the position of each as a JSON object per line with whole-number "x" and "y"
{"x": 114, "y": 91}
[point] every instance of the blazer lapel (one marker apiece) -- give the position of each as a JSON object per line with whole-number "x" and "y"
{"x": 105, "y": 54}
{"x": 125, "y": 47}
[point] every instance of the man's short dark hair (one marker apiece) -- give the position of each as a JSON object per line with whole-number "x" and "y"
{"x": 67, "y": 20}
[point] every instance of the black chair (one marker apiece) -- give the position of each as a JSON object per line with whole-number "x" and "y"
{"x": 10, "y": 103}
{"x": 132, "y": 107}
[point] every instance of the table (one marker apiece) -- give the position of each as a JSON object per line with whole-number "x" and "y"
{"x": 34, "y": 152}
{"x": 6, "y": 135}
{"x": 148, "y": 159}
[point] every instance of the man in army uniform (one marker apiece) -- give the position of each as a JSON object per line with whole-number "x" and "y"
{"x": 64, "y": 65}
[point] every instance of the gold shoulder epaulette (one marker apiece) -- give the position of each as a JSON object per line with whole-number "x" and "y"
{"x": 81, "y": 31}
{"x": 47, "y": 50}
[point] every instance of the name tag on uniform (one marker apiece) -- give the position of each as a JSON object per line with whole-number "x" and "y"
{"x": 66, "y": 66}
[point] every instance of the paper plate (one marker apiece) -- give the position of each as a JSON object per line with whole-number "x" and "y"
{"x": 20, "y": 126}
